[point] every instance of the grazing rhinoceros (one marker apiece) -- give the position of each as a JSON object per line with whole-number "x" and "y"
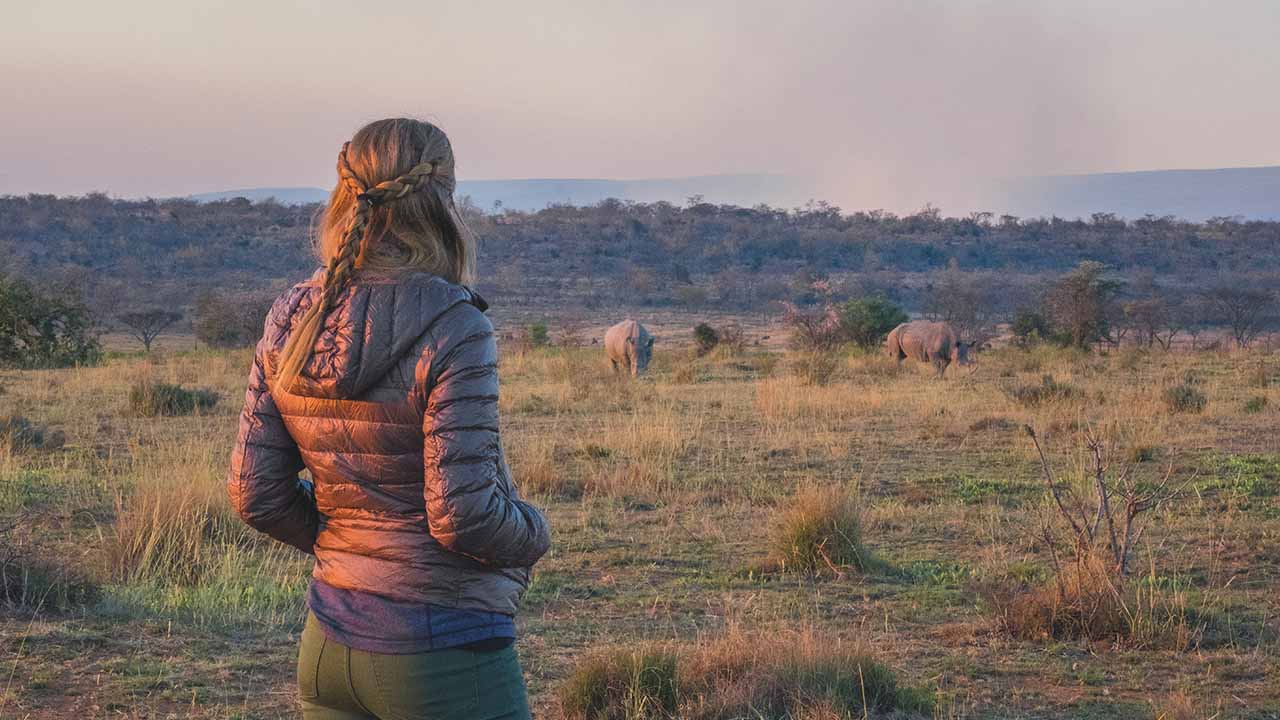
{"x": 931, "y": 342}
{"x": 628, "y": 344}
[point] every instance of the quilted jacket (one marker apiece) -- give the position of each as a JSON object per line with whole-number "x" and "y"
{"x": 396, "y": 418}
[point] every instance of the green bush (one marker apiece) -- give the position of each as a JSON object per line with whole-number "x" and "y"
{"x": 44, "y": 329}
{"x": 1030, "y": 327}
{"x": 1185, "y": 398}
{"x": 705, "y": 339}
{"x": 866, "y": 321}
{"x": 1047, "y": 390}
{"x": 622, "y": 685}
{"x": 538, "y": 335}
{"x": 152, "y": 399}
{"x": 1255, "y": 404}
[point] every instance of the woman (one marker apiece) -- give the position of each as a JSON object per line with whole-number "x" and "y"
{"x": 379, "y": 376}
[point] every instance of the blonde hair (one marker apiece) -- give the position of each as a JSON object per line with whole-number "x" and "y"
{"x": 391, "y": 211}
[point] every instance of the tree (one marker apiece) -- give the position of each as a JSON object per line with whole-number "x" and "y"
{"x": 1245, "y": 311}
{"x": 1148, "y": 319}
{"x": 44, "y": 330}
{"x": 1082, "y": 304}
{"x": 1030, "y": 327}
{"x": 868, "y": 320}
{"x": 964, "y": 301}
{"x": 229, "y": 322}
{"x": 813, "y": 329}
{"x": 146, "y": 325}
{"x": 705, "y": 339}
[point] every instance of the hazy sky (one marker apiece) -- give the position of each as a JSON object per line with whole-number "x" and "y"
{"x": 887, "y": 104}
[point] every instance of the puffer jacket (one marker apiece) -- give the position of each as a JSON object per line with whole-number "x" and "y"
{"x": 396, "y": 417}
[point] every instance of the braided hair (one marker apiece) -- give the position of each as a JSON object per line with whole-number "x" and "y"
{"x": 407, "y": 222}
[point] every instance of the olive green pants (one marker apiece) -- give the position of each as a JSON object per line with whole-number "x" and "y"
{"x": 338, "y": 683}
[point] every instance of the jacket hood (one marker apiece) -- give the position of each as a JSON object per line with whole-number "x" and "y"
{"x": 374, "y": 324}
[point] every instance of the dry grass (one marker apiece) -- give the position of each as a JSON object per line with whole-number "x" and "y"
{"x": 659, "y": 491}
{"x": 1087, "y": 601}
{"x": 1181, "y": 705}
{"x": 781, "y": 674}
{"x": 173, "y": 521}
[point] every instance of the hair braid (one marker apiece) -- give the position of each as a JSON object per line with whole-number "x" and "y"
{"x": 348, "y": 256}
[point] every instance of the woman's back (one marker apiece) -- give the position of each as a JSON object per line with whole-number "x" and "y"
{"x": 382, "y": 436}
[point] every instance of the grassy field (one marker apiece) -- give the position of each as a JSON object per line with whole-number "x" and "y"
{"x": 131, "y": 590}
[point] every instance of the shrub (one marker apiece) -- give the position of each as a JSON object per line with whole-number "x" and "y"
{"x": 813, "y": 329}
{"x": 622, "y": 685}
{"x": 1086, "y": 600}
{"x": 1030, "y": 327}
{"x": 705, "y": 339}
{"x": 1090, "y": 595}
{"x": 1047, "y": 390}
{"x": 1255, "y": 404}
{"x": 1185, "y": 398}
{"x": 1143, "y": 453}
{"x": 538, "y": 335}
{"x": 44, "y": 329}
{"x": 1081, "y": 603}
{"x": 733, "y": 337}
{"x": 819, "y": 531}
{"x": 1081, "y": 304}
{"x": 18, "y": 434}
{"x": 40, "y": 586}
{"x": 867, "y": 321}
{"x": 816, "y": 367}
{"x": 224, "y": 321}
{"x": 771, "y": 677}
{"x": 153, "y": 399}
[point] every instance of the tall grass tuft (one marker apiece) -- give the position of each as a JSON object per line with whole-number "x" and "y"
{"x": 622, "y": 684}
{"x": 820, "y": 531}
{"x": 1185, "y": 398}
{"x": 783, "y": 674}
{"x": 30, "y": 581}
{"x": 816, "y": 367}
{"x": 173, "y": 520}
{"x": 1046, "y": 391}
{"x": 154, "y": 399}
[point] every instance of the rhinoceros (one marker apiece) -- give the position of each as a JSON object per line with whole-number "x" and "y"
{"x": 629, "y": 346}
{"x": 930, "y": 342}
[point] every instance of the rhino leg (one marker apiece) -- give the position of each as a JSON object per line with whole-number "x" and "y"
{"x": 614, "y": 363}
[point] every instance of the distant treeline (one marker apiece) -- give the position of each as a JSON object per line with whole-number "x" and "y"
{"x": 167, "y": 252}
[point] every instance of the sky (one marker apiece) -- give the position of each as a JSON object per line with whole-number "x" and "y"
{"x": 881, "y": 104}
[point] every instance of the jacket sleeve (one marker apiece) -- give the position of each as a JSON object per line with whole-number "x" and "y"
{"x": 471, "y": 507}
{"x": 263, "y": 481}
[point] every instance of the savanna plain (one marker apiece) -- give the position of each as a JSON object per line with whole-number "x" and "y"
{"x": 737, "y": 534}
